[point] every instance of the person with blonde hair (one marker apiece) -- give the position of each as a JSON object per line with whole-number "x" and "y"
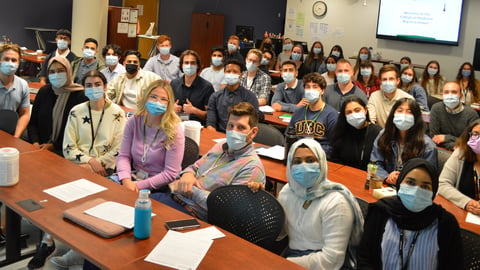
{"x": 152, "y": 147}
{"x": 256, "y": 80}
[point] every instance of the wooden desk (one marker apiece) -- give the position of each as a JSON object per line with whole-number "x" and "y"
{"x": 42, "y": 169}
{"x": 275, "y": 120}
{"x": 7, "y": 140}
{"x": 34, "y": 87}
{"x": 29, "y": 55}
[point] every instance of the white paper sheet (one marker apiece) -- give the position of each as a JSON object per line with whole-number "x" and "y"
{"x": 472, "y": 218}
{"x": 114, "y": 212}
{"x": 276, "y": 152}
{"x": 209, "y": 233}
{"x": 266, "y": 109}
{"x": 74, "y": 190}
{"x": 179, "y": 251}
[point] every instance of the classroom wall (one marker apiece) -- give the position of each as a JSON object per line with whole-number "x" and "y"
{"x": 353, "y": 25}
{"x": 175, "y": 17}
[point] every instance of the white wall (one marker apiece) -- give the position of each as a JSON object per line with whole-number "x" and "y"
{"x": 353, "y": 25}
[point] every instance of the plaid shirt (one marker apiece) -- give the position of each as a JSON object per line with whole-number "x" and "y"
{"x": 261, "y": 85}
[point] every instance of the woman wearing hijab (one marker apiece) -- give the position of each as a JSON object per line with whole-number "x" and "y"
{"x": 409, "y": 231}
{"x": 323, "y": 220}
{"x": 53, "y": 104}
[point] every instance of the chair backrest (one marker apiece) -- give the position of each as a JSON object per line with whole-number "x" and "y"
{"x": 257, "y": 217}
{"x": 191, "y": 152}
{"x": 471, "y": 252}
{"x": 8, "y": 121}
{"x": 268, "y": 135}
{"x": 442, "y": 157}
{"x": 363, "y": 206}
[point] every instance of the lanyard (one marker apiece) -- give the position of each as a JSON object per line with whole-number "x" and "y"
{"x": 410, "y": 250}
{"x": 214, "y": 165}
{"x": 314, "y": 118}
{"x": 94, "y": 133}
{"x": 145, "y": 147}
{"x": 476, "y": 184}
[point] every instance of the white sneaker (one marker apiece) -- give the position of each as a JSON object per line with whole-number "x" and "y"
{"x": 68, "y": 259}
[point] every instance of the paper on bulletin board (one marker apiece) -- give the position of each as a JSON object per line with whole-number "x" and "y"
{"x": 338, "y": 32}
{"x": 133, "y": 16}
{"x": 299, "y": 31}
{"x": 290, "y": 25}
{"x": 290, "y": 13}
{"x": 122, "y": 28}
{"x": 125, "y": 15}
{"x": 132, "y": 30}
{"x": 300, "y": 18}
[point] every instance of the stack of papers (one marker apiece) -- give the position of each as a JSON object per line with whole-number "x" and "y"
{"x": 286, "y": 117}
{"x": 266, "y": 109}
{"x": 472, "y": 218}
{"x": 275, "y": 152}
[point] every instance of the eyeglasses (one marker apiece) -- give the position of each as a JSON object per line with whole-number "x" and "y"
{"x": 474, "y": 135}
{"x": 157, "y": 98}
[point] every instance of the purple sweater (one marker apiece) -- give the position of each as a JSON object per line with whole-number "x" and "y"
{"x": 161, "y": 164}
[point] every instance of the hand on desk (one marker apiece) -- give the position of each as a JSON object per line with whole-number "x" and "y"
{"x": 129, "y": 184}
{"x": 392, "y": 178}
{"x": 184, "y": 185}
{"x": 97, "y": 167}
{"x": 473, "y": 207}
{"x": 439, "y": 138}
{"x": 46, "y": 146}
{"x": 277, "y": 107}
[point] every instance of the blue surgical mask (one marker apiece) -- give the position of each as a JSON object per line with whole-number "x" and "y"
{"x": 406, "y": 78}
{"x": 88, "y": 53}
{"x": 288, "y": 77}
{"x": 236, "y": 140}
{"x": 231, "y": 78}
{"x": 8, "y": 68}
{"x": 111, "y": 60}
{"x": 306, "y": 174}
{"x": 189, "y": 70}
{"x": 403, "y": 121}
{"x": 296, "y": 56}
{"x": 365, "y": 72}
{"x": 402, "y": 66}
{"x": 336, "y": 53}
{"x": 251, "y": 66}
{"x": 389, "y": 86}
{"x": 232, "y": 47}
{"x": 94, "y": 93}
{"x": 58, "y": 80}
{"x": 217, "y": 61}
{"x": 155, "y": 108}
{"x": 331, "y": 67}
{"x": 432, "y": 71}
{"x": 264, "y": 61}
{"x": 466, "y": 72}
{"x": 312, "y": 95}
{"x": 62, "y": 44}
{"x": 451, "y": 101}
{"x": 363, "y": 56}
{"x": 356, "y": 120}
{"x": 343, "y": 78}
{"x": 164, "y": 50}
{"x": 317, "y": 50}
{"x": 287, "y": 47}
{"x": 415, "y": 198}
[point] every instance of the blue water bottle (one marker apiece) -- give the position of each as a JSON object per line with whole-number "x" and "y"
{"x": 143, "y": 215}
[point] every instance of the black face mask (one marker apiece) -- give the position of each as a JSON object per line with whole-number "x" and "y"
{"x": 131, "y": 68}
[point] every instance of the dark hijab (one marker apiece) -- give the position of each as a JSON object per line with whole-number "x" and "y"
{"x": 404, "y": 218}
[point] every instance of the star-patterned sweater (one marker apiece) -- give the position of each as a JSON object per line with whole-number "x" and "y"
{"x": 108, "y": 135}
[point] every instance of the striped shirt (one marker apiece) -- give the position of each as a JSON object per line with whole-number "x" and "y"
{"x": 219, "y": 168}
{"x": 424, "y": 255}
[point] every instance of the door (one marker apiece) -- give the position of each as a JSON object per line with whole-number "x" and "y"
{"x": 148, "y": 12}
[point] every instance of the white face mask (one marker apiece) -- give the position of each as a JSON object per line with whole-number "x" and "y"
{"x": 164, "y": 50}
{"x": 88, "y": 53}
{"x": 451, "y": 101}
{"x": 251, "y": 67}
{"x": 111, "y": 60}
{"x": 312, "y": 95}
{"x": 356, "y": 120}
{"x": 236, "y": 140}
{"x": 403, "y": 121}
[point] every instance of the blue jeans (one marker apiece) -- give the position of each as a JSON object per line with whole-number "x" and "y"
{"x": 166, "y": 198}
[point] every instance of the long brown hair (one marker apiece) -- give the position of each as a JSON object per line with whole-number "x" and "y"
{"x": 471, "y": 80}
{"x": 311, "y": 55}
{"x": 436, "y": 78}
{"x": 466, "y": 152}
{"x": 372, "y": 79}
{"x": 414, "y": 144}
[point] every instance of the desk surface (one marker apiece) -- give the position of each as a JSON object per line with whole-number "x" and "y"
{"x": 32, "y": 56}
{"x": 7, "y": 140}
{"x": 275, "y": 120}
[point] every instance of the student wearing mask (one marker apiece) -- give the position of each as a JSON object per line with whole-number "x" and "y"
{"x": 82, "y": 65}
{"x": 402, "y": 139}
{"x": 408, "y": 83}
{"x": 380, "y": 103}
{"x": 331, "y": 65}
{"x": 233, "y": 50}
{"x": 469, "y": 86}
{"x": 214, "y": 73}
{"x": 233, "y": 93}
{"x": 323, "y": 220}
{"x": 112, "y": 54}
{"x": 405, "y": 62}
{"x": 316, "y": 119}
{"x": 125, "y": 89}
{"x": 363, "y": 55}
{"x": 409, "y": 231}
{"x": 336, "y": 93}
{"x": 14, "y": 91}
{"x": 285, "y": 54}
{"x": 315, "y": 60}
{"x": 268, "y": 61}
{"x": 289, "y": 95}
{"x": 432, "y": 81}
{"x": 191, "y": 91}
{"x": 297, "y": 57}
{"x": 256, "y": 80}
{"x": 366, "y": 78}
{"x": 63, "y": 40}
{"x": 337, "y": 51}
{"x": 164, "y": 64}
{"x": 353, "y": 135}
{"x": 153, "y": 142}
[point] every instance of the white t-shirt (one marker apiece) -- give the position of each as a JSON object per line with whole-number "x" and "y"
{"x": 130, "y": 94}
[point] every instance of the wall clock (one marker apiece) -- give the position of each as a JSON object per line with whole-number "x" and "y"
{"x": 319, "y": 8}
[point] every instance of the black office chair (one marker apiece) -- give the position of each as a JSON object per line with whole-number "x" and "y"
{"x": 257, "y": 217}
{"x": 191, "y": 152}
{"x": 471, "y": 250}
{"x": 442, "y": 157}
{"x": 363, "y": 206}
{"x": 8, "y": 121}
{"x": 268, "y": 135}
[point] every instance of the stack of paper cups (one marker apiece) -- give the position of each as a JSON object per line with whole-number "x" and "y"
{"x": 192, "y": 130}
{"x": 9, "y": 158}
